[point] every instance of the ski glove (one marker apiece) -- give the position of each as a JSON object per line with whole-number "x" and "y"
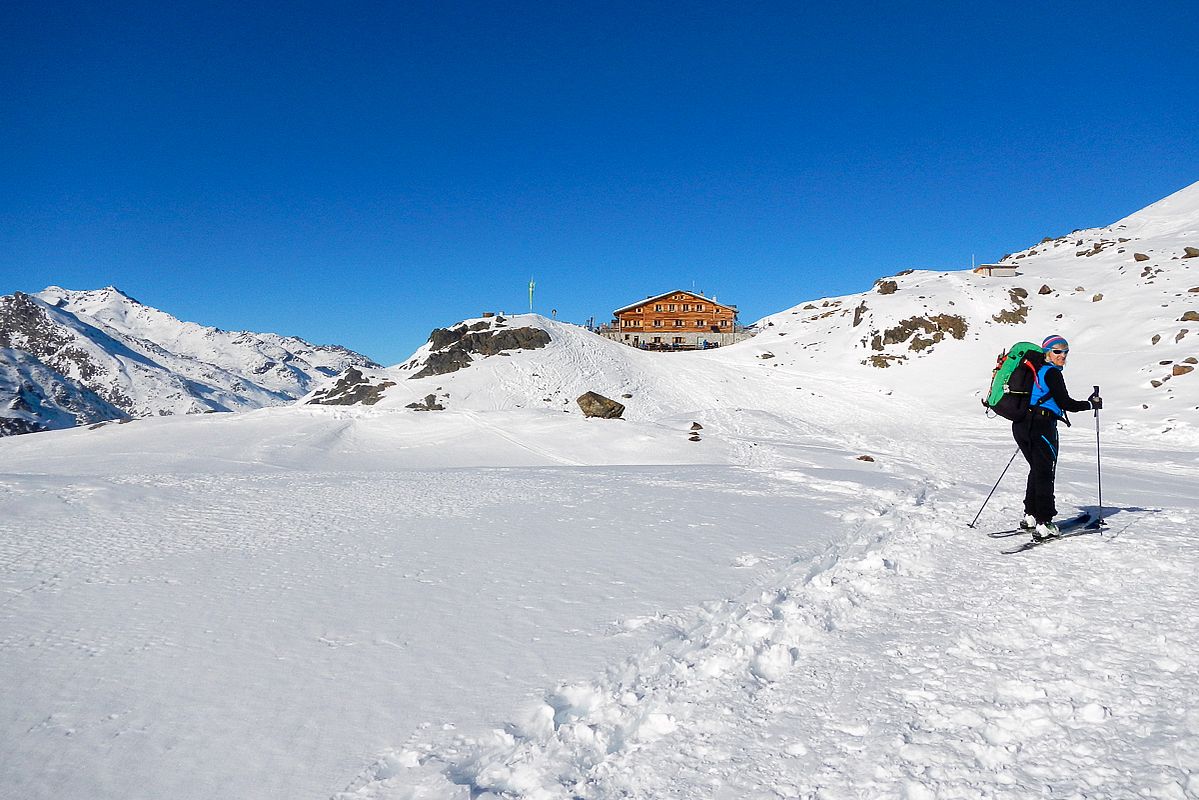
{"x": 1096, "y": 401}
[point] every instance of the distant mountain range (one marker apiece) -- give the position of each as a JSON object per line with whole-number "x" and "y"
{"x": 78, "y": 357}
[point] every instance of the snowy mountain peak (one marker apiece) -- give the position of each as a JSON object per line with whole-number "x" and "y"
{"x": 145, "y": 362}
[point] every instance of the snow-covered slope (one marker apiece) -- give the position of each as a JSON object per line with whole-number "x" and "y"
{"x": 1125, "y": 296}
{"x": 145, "y": 362}
{"x": 757, "y": 584}
{"x": 283, "y": 365}
{"x": 37, "y": 398}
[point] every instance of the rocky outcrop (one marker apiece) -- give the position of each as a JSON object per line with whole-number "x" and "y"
{"x": 596, "y": 405}
{"x": 935, "y": 327}
{"x": 16, "y": 426}
{"x": 1018, "y": 313}
{"x": 451, "y": 349}
{"x": 428, "y": 404}
{"x": 351, "y": 389}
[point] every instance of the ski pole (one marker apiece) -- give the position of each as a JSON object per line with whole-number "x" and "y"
{"x": 993, "y": 488}
{"x": 1098, "y": 463}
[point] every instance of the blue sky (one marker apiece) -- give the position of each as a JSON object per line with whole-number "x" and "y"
{"x": 360, "y": 173}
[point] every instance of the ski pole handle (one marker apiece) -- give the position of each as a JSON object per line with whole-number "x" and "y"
{"x": 1096, "y": 394}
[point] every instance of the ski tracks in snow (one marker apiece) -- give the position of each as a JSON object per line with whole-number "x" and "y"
{"x": 601, "y": 739}
{"x": 912, "y": 662}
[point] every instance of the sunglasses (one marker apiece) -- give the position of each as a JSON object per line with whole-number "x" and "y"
{"x": 1057, "y": 352}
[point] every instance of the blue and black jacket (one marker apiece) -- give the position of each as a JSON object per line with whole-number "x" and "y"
{"x": 1049, "y": 393}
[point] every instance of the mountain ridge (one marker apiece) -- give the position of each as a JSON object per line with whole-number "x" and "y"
{"x": 138, "y": 361}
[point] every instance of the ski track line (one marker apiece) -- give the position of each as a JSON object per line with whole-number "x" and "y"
{"x": 576, "y": 742}
{"x": 855, "y": 679}
{"x": 495, "y": 431}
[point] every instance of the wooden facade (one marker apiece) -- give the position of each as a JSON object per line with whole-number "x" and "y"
{"x": 677, "y": 319}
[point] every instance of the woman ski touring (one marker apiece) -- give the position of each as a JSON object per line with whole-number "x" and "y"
{"x": 1036, "y": 435}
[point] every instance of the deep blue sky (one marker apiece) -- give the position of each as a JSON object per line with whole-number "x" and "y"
{"x": 360, "y": 173}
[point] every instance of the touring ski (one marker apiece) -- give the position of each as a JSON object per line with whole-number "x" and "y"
{"x": 1009, "y": 532}
{"x": 1079, "y": 526}
{"x": 1081, "y": 519}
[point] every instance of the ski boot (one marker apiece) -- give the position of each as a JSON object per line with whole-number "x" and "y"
{"x": 1045, "y": 530}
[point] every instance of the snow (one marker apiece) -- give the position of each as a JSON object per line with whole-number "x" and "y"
{"x": 503, "y": 599}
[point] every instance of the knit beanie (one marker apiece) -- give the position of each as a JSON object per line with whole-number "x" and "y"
{"x": 1054, "y": 340}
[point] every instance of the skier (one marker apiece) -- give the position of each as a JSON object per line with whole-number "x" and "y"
{"x": 1036, "y": 436}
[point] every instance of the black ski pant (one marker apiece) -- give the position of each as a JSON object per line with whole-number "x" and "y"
{"x": 1036, "y": 436}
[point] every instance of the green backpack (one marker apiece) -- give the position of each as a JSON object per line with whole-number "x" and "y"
{"x": 1012, "y": 380}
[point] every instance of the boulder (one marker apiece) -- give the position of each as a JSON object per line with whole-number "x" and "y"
{"x": 1191, "y": 252}
{"x": 596, "y": 405}
{"x": 1140, "y": 256}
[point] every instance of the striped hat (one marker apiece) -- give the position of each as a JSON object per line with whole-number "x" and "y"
{"x": 1054, "y": 340}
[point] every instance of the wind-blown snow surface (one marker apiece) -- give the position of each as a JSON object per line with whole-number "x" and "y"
{"x": 504, "y": 598}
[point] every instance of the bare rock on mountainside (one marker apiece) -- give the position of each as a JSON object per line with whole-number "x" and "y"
{"x": 1018, "y": 313}
{"x": 352, "y": 388}
{"x": 10, "y": 426}
{"x": 936, "y": 327}
{"x": 428, "y": 404}
{"x": 886, "y": 287}
{"x": 452, "y": 348}
{"x": 35, "y": 398}
{"x": 596, "y": 405}
{"x": 1190, "y": 252}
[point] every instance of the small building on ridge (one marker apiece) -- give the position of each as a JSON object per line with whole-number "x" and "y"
{"x": 677, "y": 320}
